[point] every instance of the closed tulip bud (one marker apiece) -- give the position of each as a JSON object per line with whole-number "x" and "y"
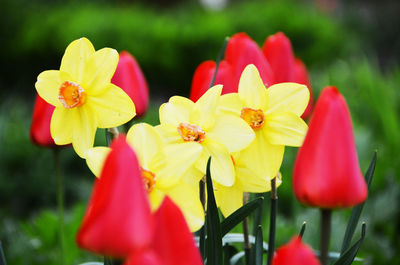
{"x": 118, "y": 219}
{"x": 203, "y": 76}
{"x": 242, "y": 51}
{"x": 326, "y": 172}
{"x": 278, "y": 51}
{"x": 40, "y": 127}
{"x": 130, "y": 78}
{"x": 295, "y": 253}
{"x": 301, "y": 77}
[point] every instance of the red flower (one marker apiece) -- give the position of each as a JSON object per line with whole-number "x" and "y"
{"x": 242, "y": 51}
{"x": 40, "y": 128}
{"x": 173, "y": 243}
{"x": 130, "y": 78}
{"x": 118, "y": 219}
{"x": 326, "y": 171}
{"x": 295, "y": 253}
{"x": 301, "y": 77}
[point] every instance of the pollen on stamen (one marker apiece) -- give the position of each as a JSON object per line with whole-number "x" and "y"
{"x": 254, "y": 117}
{"x": 191, "y": 132}
{"x": 149, "y": 179}
{"x": 71, "y": 95}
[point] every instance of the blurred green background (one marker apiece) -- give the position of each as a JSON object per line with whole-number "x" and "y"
{"x": 354, "y": 45}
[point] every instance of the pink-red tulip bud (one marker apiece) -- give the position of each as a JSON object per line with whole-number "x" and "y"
{"x": 326, "y": 172}
{"x": 295, "y": 253}
{"x": 40, "y": 127}
{"x": 130, "y": 78}
{"x": 301, "y": 77}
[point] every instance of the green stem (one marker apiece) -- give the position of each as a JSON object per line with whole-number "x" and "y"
{"x": 246, "y": 240}
{"x": 325, "y": 234}
{"x": 219, "y": 58}
{"x": 60, "y": 203}
{"x": 202, "y": 194}
{"x": 272, "y": 223}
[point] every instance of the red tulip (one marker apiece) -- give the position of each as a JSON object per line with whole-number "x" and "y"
{"x": 301, "y": 77}
{"x": 40, "y": 127}
{"x": 278, "y": 51}
{"x": 118, "y": 219}
{"x": 242, "y": 51}
{"x": 203, "y": 76}
{"x": 295, "y": 253}
{"x": 173, "y": 242}
{"x": 130, "y": 78}
{"x": 326, "y": 171}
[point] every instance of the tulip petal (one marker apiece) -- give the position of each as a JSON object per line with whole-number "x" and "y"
{"x": 263, "y": 157}
{"x": 295, "y": 252}
{"x": 231, "y": 131}
{"x": 285, "y": 129}
{"x": 230, "y": 104}
{"x": 84, "y": 131}
{"x": 75, "y": 58}
{"x": 95, "y": 158}
{"x": 222, "y": 170}
{"x": 203, "y": 114}
{"x": 48, "y": 87}
{"x": 143, "y": 258}
{"x": 63, "y": 124}
{"x": 229, "y": 199}
{"x": 174, "y": 161}
{"x": 40, "y": 127}
{"x": 287, "y": 97}
{"x": 146, "y": 142}
{"x": 251, "y": 89}
{"x": 186, "y": 197}
{"x": 112, "y": 108}
{"x": 176, "y": 110}
{"x": 99, "y": 70}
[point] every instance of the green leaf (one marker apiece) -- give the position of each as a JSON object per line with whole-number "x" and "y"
{"x": 229, "y": 252}
{"x": 303, "y": 228}
{"x": 219, "y": 58}
{"x": 214, "y": 238}
{"x": 348, "y": 257}
{"x": 2, "y": 257}
{"x": 258, "y": 247}
{"x": 356, "y": 212}
{"x": 235, "y": 218}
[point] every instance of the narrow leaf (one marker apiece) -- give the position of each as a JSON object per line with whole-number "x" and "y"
{"x": 2, "y": 257}
{"x": 303, "y": 228}
{"x": 258, "y": 253}
{"x": 348, "y": 257}
{"x": 356, "y": 212}
{"x": 258, "y": 214}
{"x": 219, "y": 58}
{"x": 232, "y": 220}
{"x": 214, "y": 238}
{"x": 229, "y": 252}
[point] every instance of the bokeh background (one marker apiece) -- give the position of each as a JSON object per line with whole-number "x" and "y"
{"x": 352, "y": 44}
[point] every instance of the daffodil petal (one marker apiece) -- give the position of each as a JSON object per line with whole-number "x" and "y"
{"x": 75, "y": 58}
{"x": 84, "y": 131}
{"x": 205, "y": 108}
{"x": 187, "y": 199}
{"x": 95, "y": 158}
{"x": 262, "y": 157}
{"x": 252, "y": 91}
{"x": 222, "y": 170}
{"x": 285, "y": 129}
{"x": 287, "y": 97}
{"x": 230, "y": 104}
{"x": 112, "y": 108}
{"x": 62, "y": 125}
{"x": 156, "y": 196}
{"x": 229, "y": 199}
{"x": 146, "y": 142}
{"x": 192, "y": 176}
{"x": 48, "y": 87}
{"x": 231, "y": 131}
{"x": 169, "y": 133}
{"x": 176, "y": 110}
{"x": 99, "y": 70}
{"x": 250, "y": 181}
{"x": 174, "y": 161}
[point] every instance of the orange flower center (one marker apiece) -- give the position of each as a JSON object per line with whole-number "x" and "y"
{"x": 71, "y": 95}
{"x": 190, "y": 132}
{"x": 149, "y": 179}
{"x": 254, "y": 117}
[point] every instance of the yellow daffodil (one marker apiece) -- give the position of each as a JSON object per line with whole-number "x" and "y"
{"x": 184, "y": 122}
{"x": 273, "y": 114}
{"x": 164, "y": 170}
{"x": 83, "y": 96}
{"x": 229, "y": 199}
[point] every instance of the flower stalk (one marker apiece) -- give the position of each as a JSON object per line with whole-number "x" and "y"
{"x": 272, "y": 222}
{"x": 325, "y": 234}
{"x": 245, "y": 223}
